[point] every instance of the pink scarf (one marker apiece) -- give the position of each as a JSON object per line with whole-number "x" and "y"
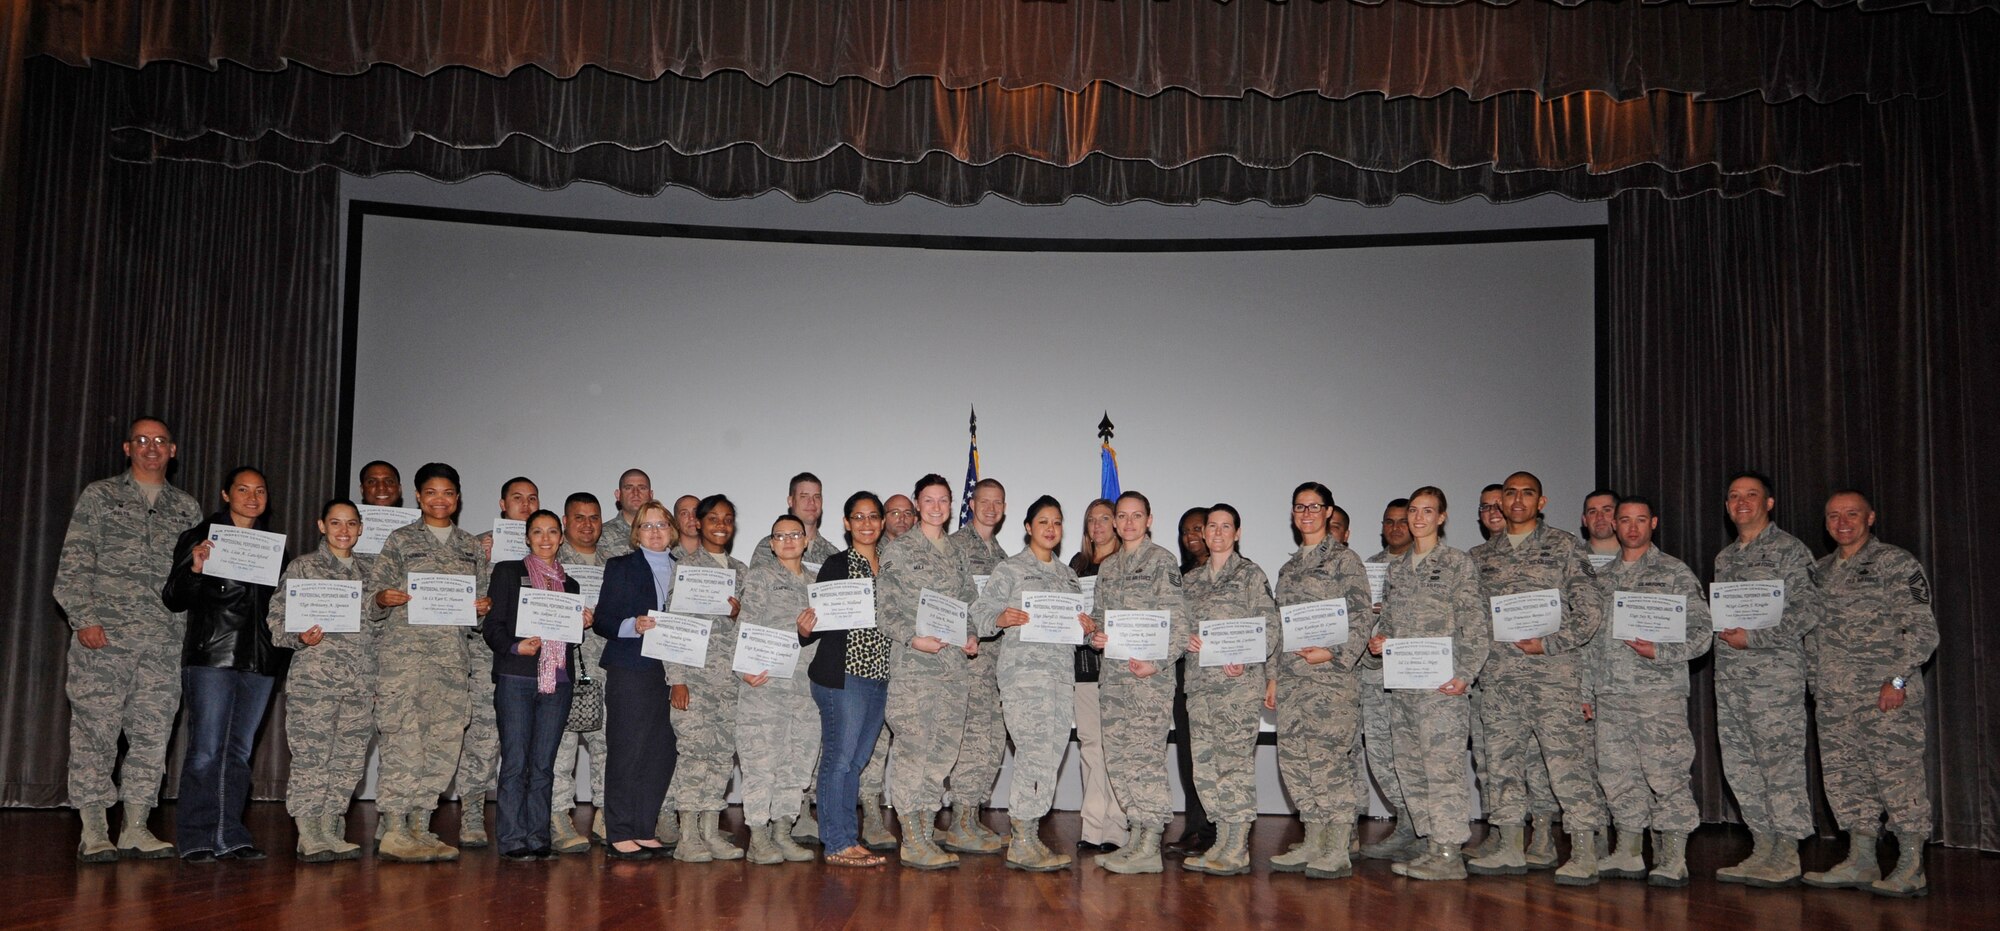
{"x": 547, "y": 575}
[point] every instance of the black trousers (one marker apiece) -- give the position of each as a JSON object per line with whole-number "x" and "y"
{"x": 639, "y": 752}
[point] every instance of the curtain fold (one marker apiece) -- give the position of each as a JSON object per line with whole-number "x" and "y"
{"x": 1332, "y": 48}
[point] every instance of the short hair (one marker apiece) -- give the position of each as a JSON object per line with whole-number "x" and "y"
{"x": 1395, "y": 503}
{"x": 1522, "y": 472}
{"x": 787, "y": 516}
{"x": 372, "y": 463}
{"x": 707, "y": 505}
{"x": 433, "y": 470}
{"x": 1604, "y": 493}
{"x": 929, "y": 479}
{"x": 800, "y": 479}
{"x": 1496, "y": 486}
{"x": 517, "y": 479}
{"x": 1337, "y": 509}
{"x": 992, "y": 483}
{"x": 628, "y": 473}
{"x": 1435, "y": 492}
{"x": 1639, "y": 500}
{"x": 326, "y": 510}
{"x": 581, "y": 497}
{"x": 639, "y": 518}
{"x": 1238, "y": 518}
{"x": 1858, "y": 493}
{"x": 1770, "y": 489}
{"x": 1141, "y": 498}
{"x": 149, "y": 418}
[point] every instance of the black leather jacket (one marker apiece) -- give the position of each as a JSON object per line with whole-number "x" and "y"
{"x": 226, "y": 626}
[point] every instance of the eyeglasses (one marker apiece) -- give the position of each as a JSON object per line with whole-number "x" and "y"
{"x": 900, "y": 512}
{"x": 1488, "y": 507}
{"x": 655, "y": 525}
{"x": 1308, "y": 508}
{"x": 144, "y": 441}
{"x": 789, "y": 535}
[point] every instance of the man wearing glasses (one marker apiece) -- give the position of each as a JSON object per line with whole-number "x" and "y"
{"x": 124, "y": 668}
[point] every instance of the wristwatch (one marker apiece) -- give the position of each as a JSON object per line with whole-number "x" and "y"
{"x": 1898, "y": 683}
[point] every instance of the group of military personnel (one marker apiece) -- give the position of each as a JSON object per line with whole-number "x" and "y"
{"x": 1575, "y": 725}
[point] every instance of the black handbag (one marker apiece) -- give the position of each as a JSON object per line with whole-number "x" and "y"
{"x": 586, "y": 698}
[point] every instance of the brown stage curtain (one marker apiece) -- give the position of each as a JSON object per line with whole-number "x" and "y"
{"x": 1842, "y": 335}
{"x": 204, "y": 293}
{"x": 1332, "y": 48}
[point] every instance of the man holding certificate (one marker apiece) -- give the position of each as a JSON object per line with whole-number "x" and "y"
{"x": 1760, "y": 681}
{"x": 1636, "y": 683}
{"x": 1546, "y": 605}
{"x": 582, "y": 555}
{"x": 1431, "y": 642}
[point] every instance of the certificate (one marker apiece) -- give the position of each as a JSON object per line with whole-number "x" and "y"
{"x": 1140, "y": 635}
{"x": 333, "y": 606}
{"x": 941, "y": 616}
{"x": 1051, "y": 617}
{"x": 442, "y": 600}
{"x": 377, "y": 522}
{"x": 1527, "y": 615}
{"x": 244, "y": 555}
{"x": 1236, "y": 641}
{"x": 1088, "y": 586}
{"x": 510, "y": 540}
{"x": 1416, "y": 662}
{"x": 589, "y": 580}
{"x": 549, "y": 615}
{"x": 1649, "y": 616}
{"x": 1600, "y": 560}
{"x": 1752, "y": 605}
{"x": 979, "y": 583}
{"x": 1378, "y": 575}
{"x": 682, "y": 641}
{"x": 703, "y": 589}
{"x": 765, "y": 650}
{"x": 1314, "y": 624}
{"x": 843, "y": 604}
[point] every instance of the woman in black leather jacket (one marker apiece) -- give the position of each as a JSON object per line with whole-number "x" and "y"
{"x": 228, "y": 668}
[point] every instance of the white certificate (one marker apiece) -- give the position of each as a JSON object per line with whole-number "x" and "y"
{"x": 377, "y": 522}
{"x": 1378, "y": 575}
{"x": 1051, "y": 617}
{"x": 764, "y": 650}
{"x": 1649, "y": 616}
{"x": 1088, "y": 586}
{"x": 1752, "y": 605}
{"x": 703, "y": 589}
{"x": 942, "y": 617}
{"x": 510, "y": 540}
{"x": 1236, "y": 641}
{"x": 589, "y": 580}
{"x": 1527, "y": 615}
{"x": 979, "y": 583}
{"x": 843, "y": 604}
{"x": 442, "y": 600}
{"x": 549, "y": 615}
{"x": 332, "y": 605}
{"x": 1140, "y": 635}
{"x": 244, "y": 555}
{"x": 1600, "y": 560}
{"x": 1314, "y": 624}
{"x": 1416, "y": 662}
{"x": 682, "y": 641}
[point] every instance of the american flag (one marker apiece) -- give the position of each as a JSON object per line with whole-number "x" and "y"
{"x": 971, "y": 471}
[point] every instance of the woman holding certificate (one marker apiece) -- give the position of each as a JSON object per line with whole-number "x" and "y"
{"x": 228, "y": 666}
{"x": 330, "y": 691}
{"x": 704, "y": 699}
{"x": 1030, "y": 602}
{"x": 1431, "y": 642}
{"x": 850, "y": 685}
{"x": 534, "y": 663}
{"x": 1315, "y": 687}
{"x": 639, "y": 750}
{"x": 1226, "y": 702}
{"x": 777, "y": 725}
{"x": 427, "y": 579}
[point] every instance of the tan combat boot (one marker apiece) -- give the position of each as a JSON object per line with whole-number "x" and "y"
{"x": 691, "y": 849}
{"x": 1581, "y": 870}
{"x": 95, "y": 847}
{"x": 1333, "y": 861}
{"x": 763, "y": 850}
{"x": 920, "y": 852}
{"x": 1908, "y": 881}
{"x": 1302, "y": 853}
{"x": 787, "y": 845}
{"x": 666, "y": 827}
{"x": 1670, "y": 864}
{"x": 874, "y": 826}
{"x": 806, "y": 829}
{"x": 719, "y": 844}
{"x": 1760, "y": 847}
{"x": 1025, "y": 850}
{"x": 472, "y": 821}
{"x": 1629, "y": 860}
{"x": 1858, "y": 871}
{"x": 1778, "y": 869}
{"x": 420, "y": 828}
{"x": 563, "y": 837}
{"x": 1443, "y": 862}
{"x": 398, "y": 845}
{"x": 1403, "y": 843}
{"x": 966, "y": 834}
{"x": 1508, "y": 859}
{"x": 333, "y": 828}
{"x": 1540, "y": 852}
{"x": 1144, "y": 853}
{"x": 311, "y": 847}
{"x": 136, "y": 841}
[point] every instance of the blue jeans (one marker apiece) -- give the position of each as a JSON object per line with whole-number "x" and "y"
{"x": 849, "y": 721}
{"x": 223, "y": 710}
{"x": 531, "y": 727}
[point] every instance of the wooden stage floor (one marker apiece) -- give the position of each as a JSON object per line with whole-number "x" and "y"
{"x": 52, "y": 890}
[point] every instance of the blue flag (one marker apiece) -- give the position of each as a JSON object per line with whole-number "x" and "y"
{"x": 971, "y": 474}
{"x": 1108, "y": 469}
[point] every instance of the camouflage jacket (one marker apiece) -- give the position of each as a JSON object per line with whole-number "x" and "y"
{"x": 118, "y": 552}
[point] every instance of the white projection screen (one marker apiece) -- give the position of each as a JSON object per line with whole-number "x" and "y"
{"x": 723, "y": 360}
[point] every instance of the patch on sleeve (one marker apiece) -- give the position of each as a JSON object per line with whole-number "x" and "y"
{"x": 1920, "y": 588}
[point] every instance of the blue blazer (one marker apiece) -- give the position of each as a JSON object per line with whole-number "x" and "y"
{"x": 628, "y": 591}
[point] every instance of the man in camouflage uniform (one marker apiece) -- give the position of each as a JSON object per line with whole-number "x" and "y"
{"x": 1760, "y": 684}
{"x": 479, "y": 759}
{"x": 1377, "y": 750}
{"x": 582, "y": 546}
{"x": 1867, "y": 652}
{"x": 899, "y": 516}
{"x": 1542, "y": 808}
{"x": 985, "y": 741}
{"x": 1533, "y": 704}
{"x": 124, "y": 667}
{"x": 1638, "y": 691}
{"x": 1137, "y": 699}
{"x": 615, "y": 538}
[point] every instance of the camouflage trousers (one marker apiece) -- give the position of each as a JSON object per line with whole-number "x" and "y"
{"x": 1430, "y": 732}
{"x": 1138, "y": 715}
{"x": 479, "y": 756}
{"x": 1762, "y": 726}
{"x": 1531, "y": 724}
{"x": 1645, "y": 754}
{"x": 777, "y": 744}
{"x": 1040, "y": 709}
{"x": 1541, "y": 797}
{"x": 1375, "y": 754}
{"x": 1223, "y": 720}
{"x": 1318, "y": 718}
{"x": 706, "y": 735}
{"x": 874, "y": 776}
{"x": 131, "y": 686}
{"x": 422, "y": 710}
{"x": 327, "y": 734}
{"x": 926, "y": 716}
{"x": 1872, "y": 761}
{"x": 985, "y": 740}
{"x": 563, "y": 795}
